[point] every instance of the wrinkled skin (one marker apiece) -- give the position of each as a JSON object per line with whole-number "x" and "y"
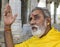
{"x": 37, "y": 18}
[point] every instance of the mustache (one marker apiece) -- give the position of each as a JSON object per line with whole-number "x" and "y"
{"x": 34, "y": 27}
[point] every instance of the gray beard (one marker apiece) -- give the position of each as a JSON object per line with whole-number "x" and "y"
{"x": 40, "y": 30}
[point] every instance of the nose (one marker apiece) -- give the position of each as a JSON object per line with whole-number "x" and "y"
{"x": 32, "y": 22}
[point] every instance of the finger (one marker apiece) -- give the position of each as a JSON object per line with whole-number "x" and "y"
{"x": 8, "y": 8}
{"x": 9, "y": 15}
{"x": 6, "y": 5}
{"x": 4, "y": 18}
{"x": 15, "y": 16}
{"x": 5, "y": 12}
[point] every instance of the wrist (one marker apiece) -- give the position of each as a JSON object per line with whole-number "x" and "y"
{"x": 7, "y": 28}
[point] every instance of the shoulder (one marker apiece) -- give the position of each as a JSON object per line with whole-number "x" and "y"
{"x": 25, "y": 43}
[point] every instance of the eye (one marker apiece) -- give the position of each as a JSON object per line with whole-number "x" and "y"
{"x": 36, "y": 17}
{"x": 30, "y": 19}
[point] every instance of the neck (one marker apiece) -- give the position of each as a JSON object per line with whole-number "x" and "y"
{"x": 48, "y": 29}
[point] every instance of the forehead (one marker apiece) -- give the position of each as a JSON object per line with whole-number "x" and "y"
{"x": 36, "y": 12}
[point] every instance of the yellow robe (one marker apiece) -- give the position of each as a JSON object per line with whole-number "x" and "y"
{"x": 51, "y": 39}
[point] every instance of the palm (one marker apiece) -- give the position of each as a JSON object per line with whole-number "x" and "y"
{"x": 8, "y": 17}
{"x": 8, "y": 20}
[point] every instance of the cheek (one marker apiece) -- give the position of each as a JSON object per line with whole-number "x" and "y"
{"x": 39, "y": 22}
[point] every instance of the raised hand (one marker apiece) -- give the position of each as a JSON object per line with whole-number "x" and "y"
{"x": 8, "y": 17}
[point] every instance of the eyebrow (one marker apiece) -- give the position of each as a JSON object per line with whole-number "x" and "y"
{"x": 34, "y": 15}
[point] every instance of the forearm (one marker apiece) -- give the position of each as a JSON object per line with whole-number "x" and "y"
{"x": 8, "y": 36}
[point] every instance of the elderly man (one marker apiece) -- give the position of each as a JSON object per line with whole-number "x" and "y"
{"x": 43, "y": 34}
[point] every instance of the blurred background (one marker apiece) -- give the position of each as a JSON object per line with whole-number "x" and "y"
{"x": 21, "y": 28}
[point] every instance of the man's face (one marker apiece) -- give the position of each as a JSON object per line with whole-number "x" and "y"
{"x": 38, "y": 23}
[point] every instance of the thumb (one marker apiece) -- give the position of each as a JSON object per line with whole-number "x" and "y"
{"x": 15, "y": 16}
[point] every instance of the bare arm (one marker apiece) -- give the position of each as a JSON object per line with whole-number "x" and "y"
{"x": 8, "y": 36}
{"x": 8, "y": 20}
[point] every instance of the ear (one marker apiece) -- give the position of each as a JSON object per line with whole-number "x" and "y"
{"x": 48, "y": 20}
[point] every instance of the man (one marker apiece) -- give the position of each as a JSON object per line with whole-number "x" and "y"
{"x": 43, "y": 34}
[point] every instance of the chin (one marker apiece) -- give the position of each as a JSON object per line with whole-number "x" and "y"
{"x": 38, "y": 33}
